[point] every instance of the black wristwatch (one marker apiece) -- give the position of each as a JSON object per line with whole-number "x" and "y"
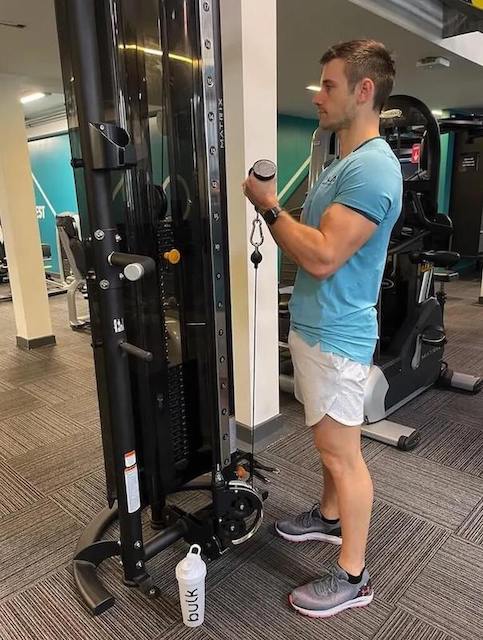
{"x": 270, "y": 215}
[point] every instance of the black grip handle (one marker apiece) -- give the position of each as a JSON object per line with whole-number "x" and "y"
{"x": 132, "y": 350}
{"x": 264, "y": 170}
{"x": 125, "y": 259}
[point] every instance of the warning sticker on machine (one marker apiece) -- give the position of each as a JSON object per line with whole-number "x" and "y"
{"x": 130, "y": 458}
{"x": 132, "y": 489}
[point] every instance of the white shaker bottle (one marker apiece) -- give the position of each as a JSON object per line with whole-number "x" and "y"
{"x": 190, "y": 573}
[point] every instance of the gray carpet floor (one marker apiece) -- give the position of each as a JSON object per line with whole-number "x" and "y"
{"x": 425, "y": 549}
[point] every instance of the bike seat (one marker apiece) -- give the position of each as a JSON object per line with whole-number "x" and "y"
{"x": 437, "y": 258}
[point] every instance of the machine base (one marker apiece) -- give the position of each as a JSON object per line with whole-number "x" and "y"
{"x": 236, "y": 517}
{"x": 392, "y": 433}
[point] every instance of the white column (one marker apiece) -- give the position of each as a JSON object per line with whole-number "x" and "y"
{"x": 248, "y": 33}
{"x": 19, "y": 225}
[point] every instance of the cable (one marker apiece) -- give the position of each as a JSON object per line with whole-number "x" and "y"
{"x": 256, "y": 258}
{"x": 252, "y": 466}
{"x": 263, "y": 170}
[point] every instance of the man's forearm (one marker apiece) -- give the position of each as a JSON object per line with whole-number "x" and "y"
{"x": 303, "y": 244}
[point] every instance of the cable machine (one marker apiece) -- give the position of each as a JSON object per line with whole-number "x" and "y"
{"x": 144, "y": 101}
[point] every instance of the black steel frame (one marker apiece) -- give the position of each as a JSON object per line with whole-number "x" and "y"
{"x": 103, "y": 45}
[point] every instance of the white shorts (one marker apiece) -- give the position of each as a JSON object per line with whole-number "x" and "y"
{"x": 327, "y": 384}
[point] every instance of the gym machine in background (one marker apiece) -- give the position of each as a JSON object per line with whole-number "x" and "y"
{"x": 466, "y": 203}
{"x": 72, "y": 264}
{"x": 3, "y": 259}
{"x": 54, "y": 285}
{"x": 167, "y": 415}
{"x": 409, "y": 356}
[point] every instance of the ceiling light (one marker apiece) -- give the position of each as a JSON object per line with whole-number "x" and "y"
{"x": 313, "y": 87}
{"x": 31, "y": 97}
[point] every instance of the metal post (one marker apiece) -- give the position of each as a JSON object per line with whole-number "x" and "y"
{"x": 84, "y": 18}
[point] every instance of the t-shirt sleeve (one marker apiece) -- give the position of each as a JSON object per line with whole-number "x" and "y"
{"x": 368, "y": 185}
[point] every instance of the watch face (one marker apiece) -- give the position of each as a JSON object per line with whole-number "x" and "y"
{"x": 271, "y": 215}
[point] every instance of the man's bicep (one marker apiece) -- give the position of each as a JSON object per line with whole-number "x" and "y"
{"x": 345, "y": 231}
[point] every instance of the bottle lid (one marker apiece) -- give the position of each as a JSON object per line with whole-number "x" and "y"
{"x": 192, "y": 567}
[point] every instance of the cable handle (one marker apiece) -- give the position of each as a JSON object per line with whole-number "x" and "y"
{"x": 263, "y": 170}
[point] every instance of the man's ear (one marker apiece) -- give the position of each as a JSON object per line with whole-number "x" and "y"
{"x": 366, "y": 89}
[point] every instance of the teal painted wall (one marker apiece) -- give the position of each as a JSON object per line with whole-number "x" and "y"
{"x": 159, "y": 163}
{"x": 445, "y": 172}
{"x": 53, "y": 186}
{"x": 294, "y": 137}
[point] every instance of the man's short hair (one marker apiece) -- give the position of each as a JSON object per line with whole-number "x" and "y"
{"x": 366, "y": 59}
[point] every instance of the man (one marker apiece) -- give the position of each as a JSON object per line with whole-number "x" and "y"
{"x": 340, "y": 246}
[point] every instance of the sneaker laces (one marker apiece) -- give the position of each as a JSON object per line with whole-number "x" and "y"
{"x": 328, "y": 583}
{"x": 306, "y": 519}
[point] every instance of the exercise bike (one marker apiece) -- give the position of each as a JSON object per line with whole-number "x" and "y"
{"x": 409, "y": 356}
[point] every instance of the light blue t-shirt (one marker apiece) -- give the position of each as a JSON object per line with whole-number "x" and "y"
{"x": 339, "y": 313}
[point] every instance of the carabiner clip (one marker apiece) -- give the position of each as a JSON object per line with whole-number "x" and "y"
{"x": 256, "y": 222}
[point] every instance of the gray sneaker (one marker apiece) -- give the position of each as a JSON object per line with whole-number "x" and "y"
{"x": 331, "y": 594}
{"x": 309, "y": 526}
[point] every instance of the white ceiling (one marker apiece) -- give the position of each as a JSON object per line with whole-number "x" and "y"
{"x": 304, "y": 35}
{"x": 31, "y": 53}
{"x": 305, "y": 29}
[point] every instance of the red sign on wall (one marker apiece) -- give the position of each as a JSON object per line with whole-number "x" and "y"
{"x": 416, "y": 153}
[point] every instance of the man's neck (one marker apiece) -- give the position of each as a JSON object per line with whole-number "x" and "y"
{"x": 357, "y": 134}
